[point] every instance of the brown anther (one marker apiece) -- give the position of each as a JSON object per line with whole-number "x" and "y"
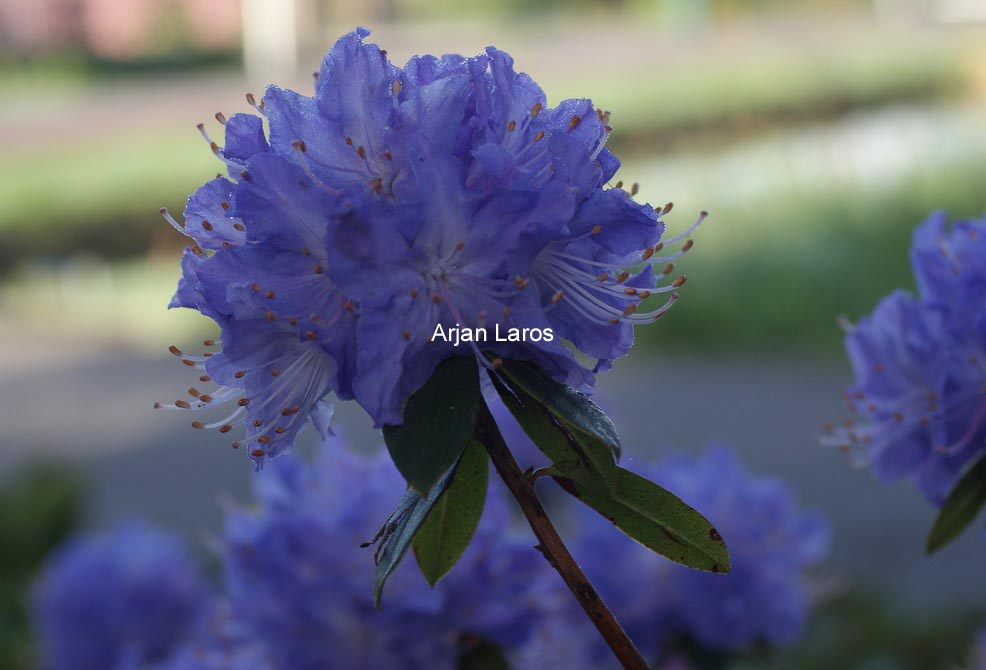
{"x": 224, "y": 205}
{"x": 389, "y": 156}
{"x": 311, "y": 335}
{"x": 619, "y": 184}
{"x": 414, "y": 293}
{"x": 378, "y": 185}
{"x": 255, "y": 287}
{"x": 264, "y": 439}
{"x": 270, "y": 315}
{"x": 395, "y": 88}
{"x": 183, "y": 404}
{"x": 194, "y": 392}
{"x": 648, "y": 252}
{"x": 257, "y": 423}
{"x": 300, "y": 146}
{"x": 275, "y": 373}
{"x": 622, "y": 277}
{"x": 687, "y": 245}
{"x": 318, "y": 269}
{"x": 667, "y": 269}
{"x": 536, "y": 109}
{"x": 349, "y": 140}
{"x": 613, "y": 322}
{"x": 511, "y": 126}
{"x": 658, "y": 247}
{"x": 198, "y": 425}
{"x": 280, "y": 430}
{"x": 214, "y": 147}
{"x": 629, "y": 290}
{"x": 240, "y": 374}
{"x": 679, "y": 281}
{"x": 574, "y": 121}
{"x": 225, "y": 428}
{"x": 497, "y": 363}
{"x": 293, "y": 321}
{"x": 197, "y": 250}
{"x": 243, "y": 402}
{"x": 506, "y": 312}
{"x": 643, "y": 295}
{"x": 221, "y": 118}
{"x": 269, "y": 295}
{"x": 406, "y": 335}
{"x": 227, "y": 245}
{"x": 256, "y": 453}
{"x": 538, "y": 136}
{"x": 556, "y": 298}
{"x": 459, "y": 246}
{"x": 205, "y": 378}
{"x": 175, "y": 350}
{"x": 630, "y": 309}
{"x": 207, "y": 354}
{"x": 157, "y": 405}
{"x": 520, "y": 282}
{"x": 239, "y": 226}
{"x": 244, "y": 175}
{"x": 634, "y": 188}
{"x": 205, "y": 397}
{"x": 667, "y": 208}
{"x": 306, "y": 251}
{"x": 596, "y": 230}
{"x": 187, "y": 362}
{"x": 436, "y": 298}
{"x": 360, "y": 151}
{"x": 349, "y": 306}
{"x": 603, "y": 277}
{"x": 209, "y": 343}
{"x": 250, "y": 99}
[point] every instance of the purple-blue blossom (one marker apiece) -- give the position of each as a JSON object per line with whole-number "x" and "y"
{"x": 122, "y": 600}
{"x": 297, "y": 581}
{"x": 919, "y": 402}
{"x": 395, "y": 199}
{"x": 773, "y": 541}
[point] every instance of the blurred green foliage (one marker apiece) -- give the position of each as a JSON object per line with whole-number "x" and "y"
{"x": 38, "y": 511}
{"x": 826, "y": 256}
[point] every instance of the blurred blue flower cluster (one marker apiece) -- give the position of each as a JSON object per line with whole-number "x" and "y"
{"x": 772, "y": 541}
{"x": 296, "y": 592}
{"x": 119, "y": 601}
{"x": 396, "y": 199}
{"x": 919, "y": 402}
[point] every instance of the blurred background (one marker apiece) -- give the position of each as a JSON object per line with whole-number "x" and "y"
{"x": 817, "y": 133}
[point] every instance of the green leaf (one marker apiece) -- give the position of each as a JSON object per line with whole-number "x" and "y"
{"x": 566, "y": 425}
{"x": 657, "y": 519}
{"x": 453, "y": 520}
{"x": 400, "y": 527}
{"x": 961, "y": 507}
{"x": 438, "y": 422}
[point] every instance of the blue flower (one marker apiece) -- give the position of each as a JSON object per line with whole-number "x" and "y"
{"x": 772, "y": 542}
{"x": 919, "y": 402}
{"x": 396, "y": 199}
{"x": 297, "y": 581}
{"x": 118, "y": 601}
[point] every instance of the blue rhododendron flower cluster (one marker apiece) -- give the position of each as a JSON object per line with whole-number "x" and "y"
{"x": 920, "y": 364}
{"x": 123, "y": 600}
{"x": 295, "y": 574}
{"x": 773, "y": 541}
{"x": 396, "y": 199}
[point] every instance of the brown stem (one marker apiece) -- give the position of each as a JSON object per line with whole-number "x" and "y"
{"x": 552, "y": 546}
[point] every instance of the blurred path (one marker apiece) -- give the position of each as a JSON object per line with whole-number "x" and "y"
{"x": 93, "y": 410}
{"x": 559, "y": 51}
